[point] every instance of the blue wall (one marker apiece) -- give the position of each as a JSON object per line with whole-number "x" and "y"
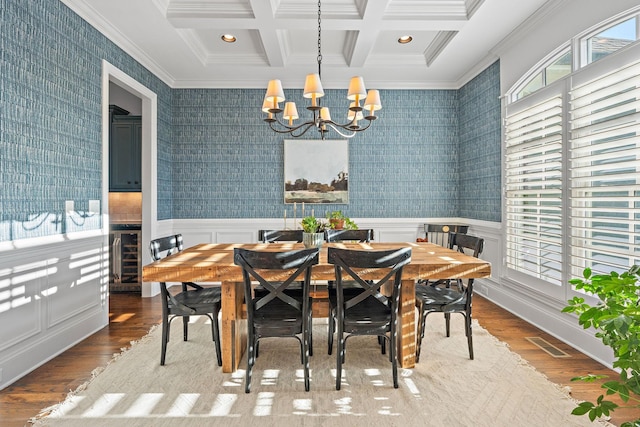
{"x": 50, "y": 117}
{"x": 407, "y": 165}
{"x": 424, "y": 157}
{"x": 479, "y": 163}
{"x": 229, "y": 164}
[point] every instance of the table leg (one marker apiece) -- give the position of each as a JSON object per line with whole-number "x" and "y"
{"x": 234, "y": 330}
{"x": 407, "y": 325}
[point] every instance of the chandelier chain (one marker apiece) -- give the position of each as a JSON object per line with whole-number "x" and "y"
{"x": 319, "y": 39}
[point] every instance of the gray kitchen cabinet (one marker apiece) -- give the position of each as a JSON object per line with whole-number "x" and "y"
{"x": 125, "y": 153}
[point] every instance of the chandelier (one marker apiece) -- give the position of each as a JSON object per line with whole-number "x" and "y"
{"x": 282, "y": 121}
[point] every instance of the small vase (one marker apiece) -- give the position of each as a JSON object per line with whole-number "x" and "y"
{"x": 312, "y": 240}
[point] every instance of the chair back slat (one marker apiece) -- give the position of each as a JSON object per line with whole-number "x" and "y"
{"x": 165, "y": 246}
{"x": 460, "y": 242}
{"x": 439, "y": 233}
{"x": 270, "y": 236}
{"x": 360, "y": 235}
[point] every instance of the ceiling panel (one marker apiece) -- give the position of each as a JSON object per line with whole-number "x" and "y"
{"x": 179, "y": 40}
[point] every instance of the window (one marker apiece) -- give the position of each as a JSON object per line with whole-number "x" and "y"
{"x": 572, "y": 162}
{"x": 533, "y": 85}
{"x": 572, "y": 176}
{"x": 598, "y": 44}
{"x": 533, "y": 179}
{"x": 611, "y": 39}
{"x": 605, "y": 172}
{"x": 560, "y": 67}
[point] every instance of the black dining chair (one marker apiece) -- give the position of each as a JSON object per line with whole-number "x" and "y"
{"x": 439, "y": 233}
{"x": 368, "y": 312}
{"x": 333, "y": 236}
{"x": 276, "y": 313}
{"x": 193, "y": 300}
{"x": 272, "y": 236}
{"x": 449, "y": 296}
{"x": 360, "y": 235}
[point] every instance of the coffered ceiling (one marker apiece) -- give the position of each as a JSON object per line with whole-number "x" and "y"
{"x": 180, "y": 40}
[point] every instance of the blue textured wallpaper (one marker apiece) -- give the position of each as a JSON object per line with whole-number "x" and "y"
{"x": 424, "y": 157}
{"x": 229, "y": 164}
{"x": 50, "y": 120}
{"x": 479, "y": 164}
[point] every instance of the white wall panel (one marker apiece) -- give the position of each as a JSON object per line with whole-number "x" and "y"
{"x": 75, "y": 288}
{"x": 19, "y": 299}
{"x": 236, "y": 236}
{"x": 52, "y": 295}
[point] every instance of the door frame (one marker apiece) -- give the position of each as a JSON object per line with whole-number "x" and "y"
{"x": 111, "y": 73}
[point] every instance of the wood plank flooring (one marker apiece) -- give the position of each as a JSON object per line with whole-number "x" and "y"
{"x": 132, "y": 316}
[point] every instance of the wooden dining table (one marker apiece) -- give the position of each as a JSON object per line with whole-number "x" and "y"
{"x": 213, "y": 262}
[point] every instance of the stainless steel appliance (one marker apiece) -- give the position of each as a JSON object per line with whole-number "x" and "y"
{"x": 125, "y": 266}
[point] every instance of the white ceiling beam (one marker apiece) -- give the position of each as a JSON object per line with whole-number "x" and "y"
{"x": 273, "y": 41}
{"x": 437, "y": 45}
{"x": 359, "y": 47}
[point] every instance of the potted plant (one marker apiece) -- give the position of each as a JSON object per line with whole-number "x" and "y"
{"x": 339, "y": 221}
{"x": 312, "y": 231}
{"x": 616, "y": 318}
{"x": 336, "y": 219}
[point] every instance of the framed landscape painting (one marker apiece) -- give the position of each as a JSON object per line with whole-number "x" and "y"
{"x": 316, "y": 171}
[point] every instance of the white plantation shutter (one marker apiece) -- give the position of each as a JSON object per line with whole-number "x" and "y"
{"x": 533, "y": 179}
{"x": 605, "y": 172}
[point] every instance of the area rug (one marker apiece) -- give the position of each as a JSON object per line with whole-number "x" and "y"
{"x": 498, "y": 388}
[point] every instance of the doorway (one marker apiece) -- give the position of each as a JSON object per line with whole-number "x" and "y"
{"x": 113, "y": 79}
{"x": 125, "y": 192}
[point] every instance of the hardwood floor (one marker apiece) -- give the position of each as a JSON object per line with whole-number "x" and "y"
{"x": 132, "y": 316}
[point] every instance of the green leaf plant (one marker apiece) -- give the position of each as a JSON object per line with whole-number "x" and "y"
{"x": 616, "y": 319}
{"x": 338, "y": 215}
{"x": 312, "y": 224}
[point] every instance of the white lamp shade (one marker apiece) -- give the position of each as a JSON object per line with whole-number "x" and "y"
{"x": 267, "y": 104}
{"x": 290, "y": 111}
{"x": 324, "y": 113}
{"x": 351, "y": 113}
{"x": 372, "y": 103}
{"x": 274, "y": 89}
{"x": 313, "y": 86}
{"x": 356, "y": 88}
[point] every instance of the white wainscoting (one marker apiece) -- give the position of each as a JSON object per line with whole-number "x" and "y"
{"x": 53, "y": 294}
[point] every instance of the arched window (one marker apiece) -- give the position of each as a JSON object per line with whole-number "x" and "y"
{"x": 591, "y": 46}
{"x": 607, "y": 40}
{"x": 559, "y": 66}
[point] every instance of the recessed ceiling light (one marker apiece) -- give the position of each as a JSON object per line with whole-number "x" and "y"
{"x": 229, "y": 38}
{"x": 405, "y": 39}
